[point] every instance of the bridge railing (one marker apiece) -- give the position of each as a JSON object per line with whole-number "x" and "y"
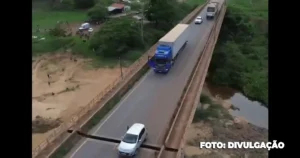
{"x": 209, "y": 48}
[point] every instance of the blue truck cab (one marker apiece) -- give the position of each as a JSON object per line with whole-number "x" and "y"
{"x": 168, "y": 49}
{"x": 162, "y": 60}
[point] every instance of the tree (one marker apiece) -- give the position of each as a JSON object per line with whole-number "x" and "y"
{"x": 83, "y": 4}
{"x": 136, "y": 6}
{"x": 97, "y": 13}
{"x": 105, "y": 3}
{"x": 161, "y": 11}
{"x": 256, "y": 84}
{"x": 116, "y": 37}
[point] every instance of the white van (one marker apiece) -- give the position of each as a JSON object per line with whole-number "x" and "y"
{"x": 84, "y": 26}
{"x": 132, "y": 140}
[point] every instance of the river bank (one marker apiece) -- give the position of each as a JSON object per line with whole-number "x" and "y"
{"x": 221, "y": 117}
{"x": 253, "y": 111}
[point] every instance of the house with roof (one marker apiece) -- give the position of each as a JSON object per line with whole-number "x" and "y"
{"x": 116, "y": 8}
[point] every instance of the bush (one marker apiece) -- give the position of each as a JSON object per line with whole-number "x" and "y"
{"x": 213, "y": 111}
{"x": 97, "y": 13}
{"x": 116, "y": 37}
{"x": 57, "y": 31}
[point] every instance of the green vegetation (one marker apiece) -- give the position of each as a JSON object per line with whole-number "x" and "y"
{"x": 48, "y": 19}
{"x": 195, "y": 2}
{"x": 240, "y": 59}
{"x": 117, "y": 38}
{"x": 204, "y": 99}
{"x": 98, "y": 12}
{"x": 212, "y": 110}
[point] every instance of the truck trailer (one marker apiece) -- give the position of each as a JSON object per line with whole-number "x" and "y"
{"x": 168, "y": 49}
{"x": 213, "y": 9}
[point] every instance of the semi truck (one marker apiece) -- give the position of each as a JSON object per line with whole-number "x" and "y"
{"x": 213, "y": 9}
{"x": 168, "y": 49}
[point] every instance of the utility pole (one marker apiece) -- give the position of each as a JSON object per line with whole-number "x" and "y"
{"x": 121, "y": 67}
{"x": 142, "y": 22}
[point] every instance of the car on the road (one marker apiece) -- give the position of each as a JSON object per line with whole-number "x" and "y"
{"x": 132, "y": 140}
{"x": 198, "y": 20}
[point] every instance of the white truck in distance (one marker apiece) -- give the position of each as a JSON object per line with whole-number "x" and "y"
{"x": 213, "y": 8}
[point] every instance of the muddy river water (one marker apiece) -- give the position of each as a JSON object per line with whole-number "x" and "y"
{"x": 253, "y": 111}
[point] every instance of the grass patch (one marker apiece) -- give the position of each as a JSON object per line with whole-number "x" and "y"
{"x": 48, "y": 19}
{"x": 71, "y": 142}
{"x": 214, "y": 110}
{"x": 133, "y": 55}
{"x": 81, "y": 47}
{"x": 50, "y": 44}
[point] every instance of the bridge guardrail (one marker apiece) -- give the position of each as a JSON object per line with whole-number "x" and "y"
{"x": 212, "y": 41}
{"x": 177, "y": 111}
{"x": 57, "y": 132}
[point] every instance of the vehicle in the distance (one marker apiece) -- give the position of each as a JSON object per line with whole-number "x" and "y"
{"x": 198, "y": 20}
{"x": 168, "y": 49}
{"x": 84, "y": 26}
{"x": 132, "y": 140}
{"x": 212, "y": 9}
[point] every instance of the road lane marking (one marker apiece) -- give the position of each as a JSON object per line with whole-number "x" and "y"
{"x": 120, "y": 103}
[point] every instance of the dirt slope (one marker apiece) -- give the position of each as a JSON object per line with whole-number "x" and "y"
{"x": 61, "y": 85}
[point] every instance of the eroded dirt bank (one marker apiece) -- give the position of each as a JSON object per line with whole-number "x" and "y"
{"x": 62, "y": 84}
{"x": 213, "y": 122}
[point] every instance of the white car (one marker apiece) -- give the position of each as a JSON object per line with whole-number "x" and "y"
{"x": 198, "y": 20}
{"x": 132, "y": 140}
{"x": 84, "y": 26}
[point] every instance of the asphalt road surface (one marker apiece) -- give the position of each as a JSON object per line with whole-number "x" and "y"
{"x": 151, "y": 101}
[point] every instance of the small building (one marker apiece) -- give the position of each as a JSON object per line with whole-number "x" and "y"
{"x": 116, "y": 8}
